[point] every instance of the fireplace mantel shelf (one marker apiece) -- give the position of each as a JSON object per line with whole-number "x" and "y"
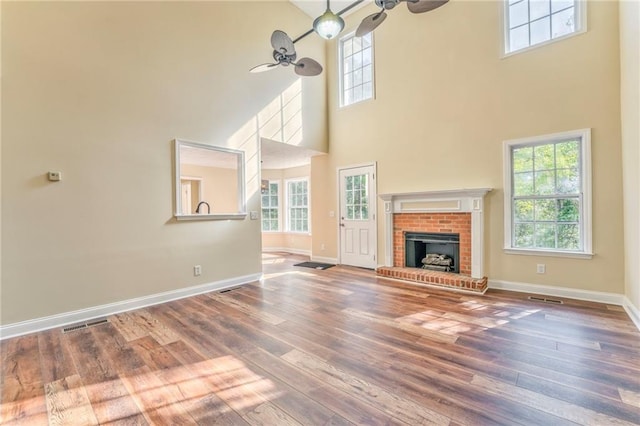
{"x": 447, "y": 194}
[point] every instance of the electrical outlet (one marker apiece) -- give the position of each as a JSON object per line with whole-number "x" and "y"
{"x": 54, "y": 176}
{"x": 253, "y": 215}
{"x": 541, "y": 268}
{"x": 197, "y": 270}
{"x": 321, "y": 246}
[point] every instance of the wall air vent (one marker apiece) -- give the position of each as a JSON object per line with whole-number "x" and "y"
{"x": 83, "y": 325}
{"x": 545, "y": 300}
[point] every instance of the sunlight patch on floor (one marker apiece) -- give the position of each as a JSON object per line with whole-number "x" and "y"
{"x": 452, "y": 324}
{"x": 226, "y": 380}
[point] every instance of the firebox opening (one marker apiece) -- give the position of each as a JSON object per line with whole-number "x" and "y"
{"x": 436, "y": 251}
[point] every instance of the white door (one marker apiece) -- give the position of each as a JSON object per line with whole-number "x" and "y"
{"x": 358, "y": 216}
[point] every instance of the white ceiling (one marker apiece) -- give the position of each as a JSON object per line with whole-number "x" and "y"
{"x": 278, "y": 155}
{"x": 315, "y": 8}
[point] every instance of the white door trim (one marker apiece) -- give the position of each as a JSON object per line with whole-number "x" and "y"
{"x": 373, "y": 206}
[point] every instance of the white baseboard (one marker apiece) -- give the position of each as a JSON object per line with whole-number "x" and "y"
{"x": 322, "y": 259}
{"x": 66, "y": 318}
{"x": 632, "y": 311}
{"x": 570, "y": 293}
{"x": 286, "y": 250}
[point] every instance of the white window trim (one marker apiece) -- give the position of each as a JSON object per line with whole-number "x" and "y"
{"x": 287, "y": 228}
{"x": 341, "y": 103}
{"x": 586, "y": 224}
{"x": 581, "y": 25}
{"x": 279, "y": 207}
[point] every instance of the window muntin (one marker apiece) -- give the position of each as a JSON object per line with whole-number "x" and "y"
{"x": 356, "y": 69}
{"x": 547, "y": 184}
{"x": 357, "y": 194}
{"x": 271, "y": 207}
{"x": 533, "y": 22}
{"x": 298, "y": 205}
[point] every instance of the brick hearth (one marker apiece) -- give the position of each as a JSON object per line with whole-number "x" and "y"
{"x": 443, "y": 279}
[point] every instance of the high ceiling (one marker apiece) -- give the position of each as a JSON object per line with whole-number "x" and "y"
{"x": 315, "y": 8}
{"x": 276, "y": 155}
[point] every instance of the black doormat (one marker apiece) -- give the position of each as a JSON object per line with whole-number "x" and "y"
{"x": 315, "y": 265}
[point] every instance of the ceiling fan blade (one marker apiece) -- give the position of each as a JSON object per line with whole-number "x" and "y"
{"x": 263, "y": 68}
{"x": 370, "y": 23}
{"x": 308, "y": 67}
{"x": 421, "y": 6}
{"x": 282, "y": 43}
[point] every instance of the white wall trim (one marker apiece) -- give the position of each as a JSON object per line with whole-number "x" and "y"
{"x": 324, "y": 259}
{"x": 570, "y": 293}
{"x": 465, "y": 200}
{"x": 286, "y": 250}
{"x": 66, "y": 318}
{"x": 586, "y": 228}
{"x": 632, "y": 311}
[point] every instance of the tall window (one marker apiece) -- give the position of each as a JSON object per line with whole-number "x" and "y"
{"x": 356, "y": 69}
{"x": 298, "y": 205}
{"x": 532, "y": 22}
{"x": 270, "y": 207}
{"x": 548, "y": 194}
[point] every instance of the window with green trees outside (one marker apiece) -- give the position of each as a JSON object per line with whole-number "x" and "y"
{"x": 549, "y": 193}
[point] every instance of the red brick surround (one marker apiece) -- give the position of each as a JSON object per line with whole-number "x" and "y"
{"x": 453, "y": 223}
{"x": 456, "y": 223}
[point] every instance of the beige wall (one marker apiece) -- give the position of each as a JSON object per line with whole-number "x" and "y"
{"x": 293, "y": 242}
{"x": 219, "y": 187}
{"x": 98, "y": 91}
{"x": 446, "y": 101}
{"x": 630, "y": 96}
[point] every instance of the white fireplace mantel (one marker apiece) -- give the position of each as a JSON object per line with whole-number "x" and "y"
{"x": 448, "y": 201}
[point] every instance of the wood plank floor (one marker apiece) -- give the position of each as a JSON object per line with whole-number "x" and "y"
{"x": 332, "y": 347}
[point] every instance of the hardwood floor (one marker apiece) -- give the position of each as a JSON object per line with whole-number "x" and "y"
{"x": 332, "y": 347}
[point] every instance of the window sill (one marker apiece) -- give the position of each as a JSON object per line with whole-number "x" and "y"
{"x": 222, "y": 216}
{"x": 544, "y": 43}
{"x": 361, "y": 101}
{"x": 550, "y": 253}
{"x": 287, "y": 232}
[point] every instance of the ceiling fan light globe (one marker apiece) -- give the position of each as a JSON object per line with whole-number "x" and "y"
{"x": 328, "y": 25}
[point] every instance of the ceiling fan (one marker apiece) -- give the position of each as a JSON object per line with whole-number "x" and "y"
{"x": 328, "y": 25}
{"x": 284, "y": 53}
{"x": 372, "y": 21}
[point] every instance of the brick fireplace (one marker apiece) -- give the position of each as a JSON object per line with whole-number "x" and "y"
{"x": 447, "y": 212}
